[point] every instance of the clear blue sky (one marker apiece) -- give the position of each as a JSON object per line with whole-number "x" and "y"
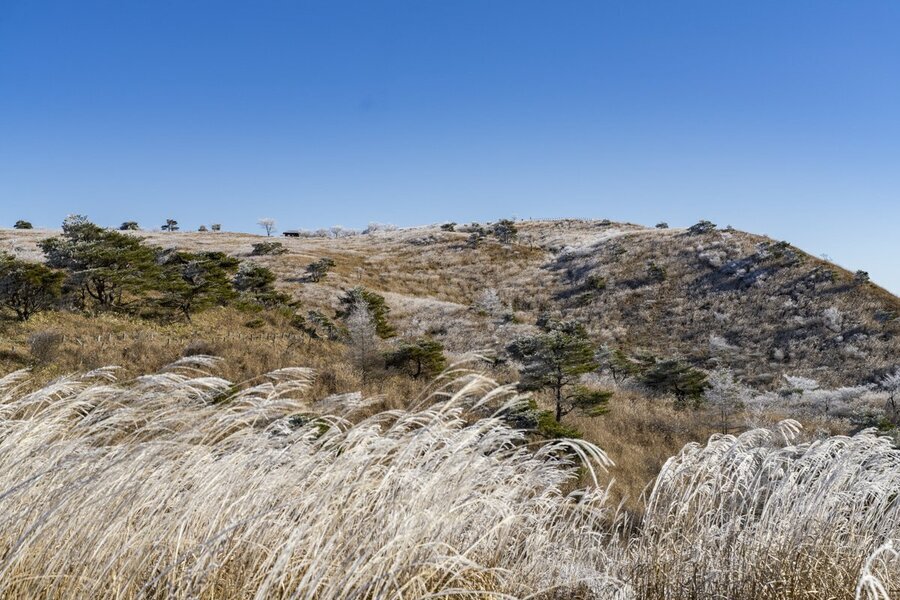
{"x": 780, "y": 117}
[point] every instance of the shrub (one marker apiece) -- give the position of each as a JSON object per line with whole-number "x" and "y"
{"x": 505, "y": 231}
{"x": 448, "y": 226}
{"x": 216, "y": 227}
{"x": 44, "y": 345}
{"x": 129, "y": 226}
{"x": 255, "y": 323}
{"x": 268, "y": 249}
{"x": 256, "y": 284}
{"x": 701, "y": 228}
{"x": 318, "y": 270}
{"x": 316, "y": 325}
{"x": 662, "y": 225}
{"x": 595, "y": 283}
{"x": 199, "y": 348}
{"x": 656, "y": 272}
{"x": 23, "y": 225}
{"x": 202, "y": 229}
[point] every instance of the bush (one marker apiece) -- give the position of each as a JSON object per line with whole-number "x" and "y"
{"x": 129, "y": 226}
{"x": 318, "y": 270}
{"x": 44, "y": 345}
{"x": 662, "y": 225}
{"x": 448, "y": 227}
{"x": 655, "y": 272}
{"x": 701, "y": 228}
{"x": 256, "y": 284}
{"x": 595, "y": 283}
{"x": 23, "y": 225}
{"x": 505, "y": 231}
{"x": 268, "y": 249}
{"x": 255, "y": 323}
{"x": 199, "y": 348}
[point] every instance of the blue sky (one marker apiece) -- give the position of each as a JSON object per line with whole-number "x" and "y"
{"x": 780, "y": 118}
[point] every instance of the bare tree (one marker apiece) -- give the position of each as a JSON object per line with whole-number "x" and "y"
{"x": 268, "y": 224}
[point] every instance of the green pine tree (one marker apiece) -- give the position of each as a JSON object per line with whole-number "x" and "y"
{"x": 26, "y": 287}
{"x": 555, "y": 360}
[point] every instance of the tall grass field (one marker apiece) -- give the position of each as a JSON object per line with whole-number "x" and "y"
{"x": 180, "y": 484}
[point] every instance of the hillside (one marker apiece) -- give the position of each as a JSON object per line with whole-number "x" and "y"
{"x": 762, "y": 307}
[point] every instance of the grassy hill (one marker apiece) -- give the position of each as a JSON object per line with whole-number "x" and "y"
{"x": 730, "y": 298}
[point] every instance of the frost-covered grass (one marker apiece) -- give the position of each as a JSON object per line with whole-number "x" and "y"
{"x": 182, "y": 485}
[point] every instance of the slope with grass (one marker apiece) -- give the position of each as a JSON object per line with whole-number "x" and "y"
{"x": 721, "y": 297}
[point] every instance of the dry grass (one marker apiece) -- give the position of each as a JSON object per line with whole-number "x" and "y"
{"x": 182, "y": 485}
{"x": 176, "y": 486}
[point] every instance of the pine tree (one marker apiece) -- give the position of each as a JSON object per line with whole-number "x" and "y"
{"x": 26, "y": 287}
{"x": 256, "y": 284}
{"x": 318, "y": 270}
{"x": 555, "y": 360}
{"x": 676, "y": 378}
{"x": 376, "y": 305}
{"x": 423, "y": 357}
{"x": 193, "y": 282}
{"x": 105, "y": 268}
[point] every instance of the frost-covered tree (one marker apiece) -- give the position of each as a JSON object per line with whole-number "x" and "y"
{"x": 268, "y": 225}
{"x": 362, "y": 336}
{"x": 725, "y": 396}
{"x": 378, "y": 309}
{"x": 488, "y": 301}
{"x": 891, "y": 384}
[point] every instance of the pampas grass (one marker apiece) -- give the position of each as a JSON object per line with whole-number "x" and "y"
{"x": 181, "y": 484}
